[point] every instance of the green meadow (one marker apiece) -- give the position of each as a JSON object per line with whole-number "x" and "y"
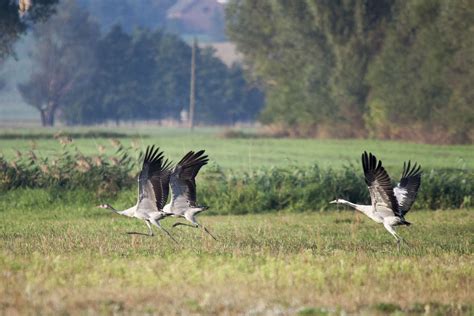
{"x": 78, "y": 259}
{"x": 62, "y": 255}
{"x": 248, "y": 154}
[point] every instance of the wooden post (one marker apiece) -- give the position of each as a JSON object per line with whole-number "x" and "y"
{"x": 192, "y": 101}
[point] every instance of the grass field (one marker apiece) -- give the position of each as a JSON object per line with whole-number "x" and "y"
{"x": 79, "y": 260}
{"x": 249, "y": 154}
{"x": 63, "y": 256}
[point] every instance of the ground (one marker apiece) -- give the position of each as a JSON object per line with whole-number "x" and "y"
{"x": 78, "y": 260}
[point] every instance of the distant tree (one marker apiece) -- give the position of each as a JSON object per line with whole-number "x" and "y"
{"x": 12, "y": 26}
{"x": 354, "y": 31}
{"x": 394, "y": 69}
{"x": 312, "y": 57}
{"x": 421, "y": 83}
{"x": 222, "y": 94}
{"x": 168, "y": 81}
{"x": 113, "y": 85}
{"x": 89, "y": 78}
{"x": 64, "y": 60}
{"x": 244, "y": 99}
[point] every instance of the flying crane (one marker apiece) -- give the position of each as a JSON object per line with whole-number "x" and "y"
{"x": 389, "y": 204}
{"x": 183, "y": 190}
{"x": 152, "y": 192}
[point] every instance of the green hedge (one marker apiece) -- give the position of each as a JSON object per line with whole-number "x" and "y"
{"x": 291, "y": 188}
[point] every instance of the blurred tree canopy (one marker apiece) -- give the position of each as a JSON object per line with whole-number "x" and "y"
{"x": 351, "y": 68}
{"x": 63, "y": 62}
{"x": 84, "y": 77}
{"x": 12, "y": 26}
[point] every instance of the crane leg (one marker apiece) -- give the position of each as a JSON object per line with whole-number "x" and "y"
{"x": 157, "y": 224}
{"x": 207, "y": 231}
{"x": 150, "y": 231}
{"x": 196, "y": 225}
{"x": 184, "y": 224}
{"x": 394, "y": 234}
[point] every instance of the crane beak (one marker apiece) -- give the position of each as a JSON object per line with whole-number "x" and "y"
{"x": 333, "y": 202}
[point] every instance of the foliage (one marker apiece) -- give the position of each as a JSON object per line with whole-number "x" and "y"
{"x": 312, "y": 57}
{"x": 308, "y": 189}
{"x": 13, "y": 26}
{"x": 126, "y": 77}
{"x": 388, "y": 69}
{"x": 290, "y": 188}
{"x": 64, "y": 60}
{"x": 70, "y": 170}
{"x": 419, "y": 81}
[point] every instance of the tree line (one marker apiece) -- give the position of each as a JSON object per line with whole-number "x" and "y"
{"x": 381, "y": 68}
{"x": 84, "y": 77}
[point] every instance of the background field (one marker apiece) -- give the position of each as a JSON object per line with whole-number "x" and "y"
{"x": 63, "y": 255}
{"x": 251, "y": 153}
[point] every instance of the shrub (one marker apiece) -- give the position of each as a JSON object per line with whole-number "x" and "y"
{"x": 292, "y": 188}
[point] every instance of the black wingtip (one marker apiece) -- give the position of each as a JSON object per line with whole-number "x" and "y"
{"x": 410, "y": 170}
{"x": 153, "y": 155}
{"x": 192, "y": 158}
{"x": 365, "y": 160}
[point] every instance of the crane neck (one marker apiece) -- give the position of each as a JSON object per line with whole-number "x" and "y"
{"x": 113, "y": 209}
{"x": 130, "y": 212}
{"x": 359, "y": 207}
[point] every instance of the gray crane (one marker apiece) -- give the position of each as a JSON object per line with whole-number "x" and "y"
{"x": 152, "y": 192}
{"x": 389, "y": 204}
{"x": 183, "y": 190}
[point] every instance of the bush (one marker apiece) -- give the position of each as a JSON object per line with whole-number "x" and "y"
{"x": 292, "y": 188}
{"x": 70, "y": 170}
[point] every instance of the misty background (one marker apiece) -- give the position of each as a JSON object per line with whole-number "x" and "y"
{"x": 383, "y": 69}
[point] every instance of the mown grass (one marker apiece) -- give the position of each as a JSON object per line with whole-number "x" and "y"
{"x": 77, "y": 259}
{"x": 246, "y": 154}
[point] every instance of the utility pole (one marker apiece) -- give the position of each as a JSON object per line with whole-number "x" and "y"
{"x": 192, "y": 92}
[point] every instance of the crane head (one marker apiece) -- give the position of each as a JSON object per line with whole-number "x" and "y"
{"x": 105, "y": 205}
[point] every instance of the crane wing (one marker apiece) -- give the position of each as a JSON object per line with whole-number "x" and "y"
{"x": 405, "y": 192}
{"x": 153, "y": 181}
{"x": 380, "y": 186}
{"x": 183, "y": 183}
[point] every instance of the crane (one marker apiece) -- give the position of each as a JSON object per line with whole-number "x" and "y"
{"x": 152, "y": 192}
{"x": 183, "y": 190}
{"x": 389, "y": 204}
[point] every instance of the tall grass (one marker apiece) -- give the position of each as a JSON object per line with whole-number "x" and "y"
{"x": 303, "y": 189}
{"x": 70, "y": 169}
{"x": 289, "y": 188}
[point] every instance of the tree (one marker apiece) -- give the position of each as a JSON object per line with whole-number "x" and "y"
{"x": 13, "y": 26}
{"x": 64, "y": 59}
{"x": 311, "y": 55}
{"x": 421, "y": 81}
{"x": 113, "y": 85}
{"x": 82, "y": 77}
